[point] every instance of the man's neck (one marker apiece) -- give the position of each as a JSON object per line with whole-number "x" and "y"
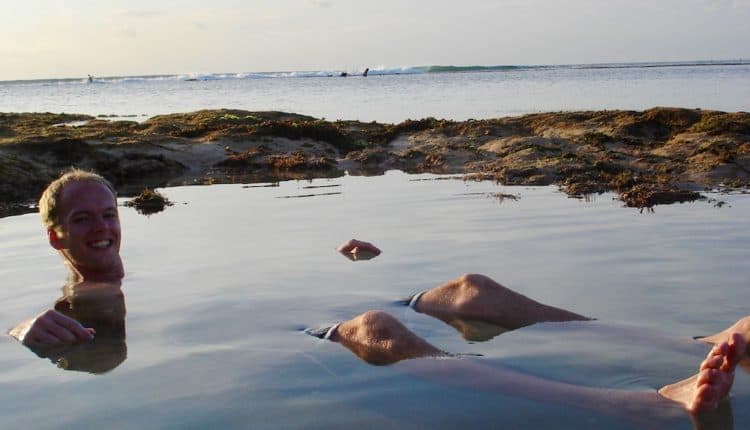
{"x": 78, "y": 274}
{"x": 92, "y": 289}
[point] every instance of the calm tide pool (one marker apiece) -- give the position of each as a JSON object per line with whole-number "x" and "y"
{"x": 219, "y": 286}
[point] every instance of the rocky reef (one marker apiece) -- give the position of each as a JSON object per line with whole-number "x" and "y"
{"x": 658, "y": 156}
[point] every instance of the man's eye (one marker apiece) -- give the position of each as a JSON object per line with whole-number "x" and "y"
{"x": 110, "y": 215}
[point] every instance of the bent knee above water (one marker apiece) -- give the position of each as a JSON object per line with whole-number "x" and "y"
{"x": 472, "y": 284}
{"x": 377, "y": 324}
{"x": 375, "y": 319}
{"x": 476, "y": 279}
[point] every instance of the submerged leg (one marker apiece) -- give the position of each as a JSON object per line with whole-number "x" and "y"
{"x": 378, "y": 338}
{"x": 742, "y": 326}
{"x": 477, "y": 297}
{"x": 704, "y": 390}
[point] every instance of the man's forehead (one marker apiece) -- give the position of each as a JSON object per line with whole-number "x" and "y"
{"x": 84, "y": 194}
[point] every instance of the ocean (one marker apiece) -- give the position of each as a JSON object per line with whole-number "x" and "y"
{"x": 220, "y": 286}
{"x": 395, "y": 94}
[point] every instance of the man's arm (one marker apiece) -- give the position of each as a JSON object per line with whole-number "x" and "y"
{"x": 51, "y": 328}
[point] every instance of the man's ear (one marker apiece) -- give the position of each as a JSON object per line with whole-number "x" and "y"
{"x": 55, "y": 239}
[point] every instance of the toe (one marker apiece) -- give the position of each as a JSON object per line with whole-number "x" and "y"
{"x": 708, "y": 377}
{"x": 714, "y": 362}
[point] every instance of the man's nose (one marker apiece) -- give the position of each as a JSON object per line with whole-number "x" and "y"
{"x": 100, "y": 223}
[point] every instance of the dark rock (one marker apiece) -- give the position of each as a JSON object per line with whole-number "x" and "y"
{"x": 646, "y": 156}
{"x": 149, "y": 202}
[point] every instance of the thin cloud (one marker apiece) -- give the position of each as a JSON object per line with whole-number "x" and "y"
{"x": 734, "y": 4}
{"x": 19, "y": 54}
{"x": 318, "y": 3}
{"x": 714, "y": 5}
{"x": 141, "y": 14}
{"x": 128, "y": 32}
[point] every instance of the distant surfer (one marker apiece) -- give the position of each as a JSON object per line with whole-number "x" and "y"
{"x": 344, "y": 74}
{"x": 91, "y": 79}
{"x": 367, "y": 70}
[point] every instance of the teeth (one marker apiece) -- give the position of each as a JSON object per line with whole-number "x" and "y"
{"x": 102, "y": 243}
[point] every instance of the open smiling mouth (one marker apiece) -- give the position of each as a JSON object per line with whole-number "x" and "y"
{"x": 101, "y": 244}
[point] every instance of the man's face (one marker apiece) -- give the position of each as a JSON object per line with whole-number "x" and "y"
{"x": 89, "y": 232}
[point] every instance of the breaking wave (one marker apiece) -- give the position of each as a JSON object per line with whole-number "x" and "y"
{"x": 375, "y": 71}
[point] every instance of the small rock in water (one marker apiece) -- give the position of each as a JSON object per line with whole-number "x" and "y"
{"x": 149, "y": 202}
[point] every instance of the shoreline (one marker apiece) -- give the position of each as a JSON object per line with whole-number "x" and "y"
{"x": 656, "y": 156}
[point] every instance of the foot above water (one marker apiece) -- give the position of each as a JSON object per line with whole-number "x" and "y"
{"x": 703, "y": 391}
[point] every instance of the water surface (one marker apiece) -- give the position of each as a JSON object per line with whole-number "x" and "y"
{"x": 396, "y": 97}
{"x": 219, "y": 286}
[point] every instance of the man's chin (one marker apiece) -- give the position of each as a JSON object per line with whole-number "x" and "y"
{"x": 100, "y": 270}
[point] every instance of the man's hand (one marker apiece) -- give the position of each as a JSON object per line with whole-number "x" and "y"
{"x": 358, "y": 250}
{"x": 51, "y": 328}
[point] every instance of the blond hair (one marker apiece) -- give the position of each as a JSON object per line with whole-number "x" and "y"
{"x": 50, "y": 200}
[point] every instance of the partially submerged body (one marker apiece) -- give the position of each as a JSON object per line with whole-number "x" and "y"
{"x": 83, "y": 331}
{"x": 378, "y": 338}
{"x": 79, "y": 212}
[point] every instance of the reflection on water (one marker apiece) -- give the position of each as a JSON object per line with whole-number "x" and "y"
{"x": 98, "y": 308}
{"x": 219, "y": 288}
{"x": 320, "y": 186}
{"x": 307, "y": 195}
{"x": 101, "y": 307}
{"x": 501, "y": 197}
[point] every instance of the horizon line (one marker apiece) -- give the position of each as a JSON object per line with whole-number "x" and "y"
{"x": 498, "y": 67}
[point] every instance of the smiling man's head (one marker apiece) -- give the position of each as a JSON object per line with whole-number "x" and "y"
{"x": 79, "y": 211}
{"x": 50, "y": 201}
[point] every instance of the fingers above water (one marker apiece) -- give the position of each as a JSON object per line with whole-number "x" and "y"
{"x": 355, "y": 250}
{"x": 54, "y": 328}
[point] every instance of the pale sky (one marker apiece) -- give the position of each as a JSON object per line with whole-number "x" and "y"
{"x": 73, "y": 38}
